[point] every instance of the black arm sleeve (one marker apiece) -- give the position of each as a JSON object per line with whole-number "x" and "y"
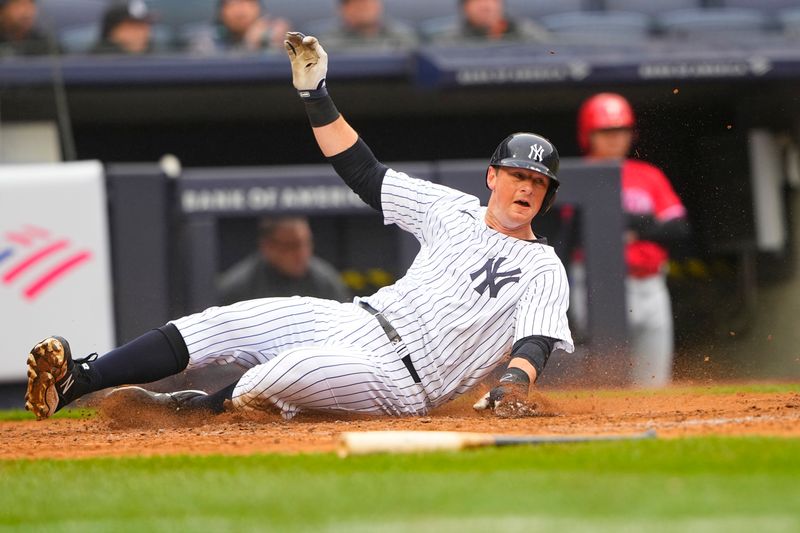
{"x": 650, "y": 229}
{"x": 536, "y": 349}
{"x": 362, "y": 172}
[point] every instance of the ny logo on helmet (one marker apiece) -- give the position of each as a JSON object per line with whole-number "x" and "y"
{"x": 537, "y": 151}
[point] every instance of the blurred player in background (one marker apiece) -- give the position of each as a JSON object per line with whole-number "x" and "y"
{"x": 655, "y": 218}
{"x": 362, "y": 24}
{"x": 126, "y": 28}
{"x": 240, "y": 26}
{"x": 486, "y": 20}
{"x": 284, "y": 265}
{"x": 18, "y": 32}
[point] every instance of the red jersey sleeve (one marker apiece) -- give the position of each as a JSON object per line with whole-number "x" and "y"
{"x": 666, "y": 204}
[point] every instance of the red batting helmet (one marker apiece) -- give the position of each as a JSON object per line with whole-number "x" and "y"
{"x": 601, "y": 112}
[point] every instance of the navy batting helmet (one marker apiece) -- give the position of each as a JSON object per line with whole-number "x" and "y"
{"x": 533, "y": 152}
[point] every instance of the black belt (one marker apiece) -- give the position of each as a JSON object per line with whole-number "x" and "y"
{"x": 394, "y": 338}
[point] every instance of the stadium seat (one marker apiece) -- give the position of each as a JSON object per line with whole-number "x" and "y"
{"x": 536, "y": 9}
{"x": 301, "y": 12}
{"x": 79, "y": 39}
{"x": 770, "y": 7}
{"x": 600, "y": 27}
{"x": 713, "y": 23}
{"x": 60, "y": 14}
{"x": 789, "y": 20}
{"x": 179, "y": 13}
{"x": 415, "y": 12}
{"x": 650, "y": 7}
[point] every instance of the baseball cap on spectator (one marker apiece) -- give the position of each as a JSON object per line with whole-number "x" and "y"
{"x": 134, "y": 10}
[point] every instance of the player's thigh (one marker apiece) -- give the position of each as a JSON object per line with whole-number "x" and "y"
{"x": 319, "y": 378}
{"x": 248, "y": 333}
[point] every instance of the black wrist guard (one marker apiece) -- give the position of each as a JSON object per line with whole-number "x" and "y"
{"x": 321, "y": 111}
{"x": 515, "y": 382}
{"x": 515, "y": 376}
{"x": 320, "y": 92}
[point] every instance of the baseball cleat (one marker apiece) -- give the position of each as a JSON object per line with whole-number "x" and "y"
{"x": 176, "y": 401}
{"x": 51, "y": 375}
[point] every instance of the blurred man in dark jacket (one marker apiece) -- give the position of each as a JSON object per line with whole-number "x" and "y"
{"x": 486, "y": 20}
{"x": 240, "y": 26}
{"x": 18, "y": 32}
{"x": 284, "y": 265}
{"x": 362, "y": 24}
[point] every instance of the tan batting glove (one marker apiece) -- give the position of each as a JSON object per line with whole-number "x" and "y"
{"x": 309, "y": 64}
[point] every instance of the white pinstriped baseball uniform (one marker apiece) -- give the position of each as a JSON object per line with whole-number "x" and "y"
{"x": 469, "y": 295}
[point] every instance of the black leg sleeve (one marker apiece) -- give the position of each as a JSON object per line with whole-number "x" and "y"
{"x": 155, "y": 355}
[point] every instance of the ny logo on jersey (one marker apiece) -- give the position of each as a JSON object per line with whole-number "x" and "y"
{"x": 537, "y": 152}
{"x": 491, "y": 269}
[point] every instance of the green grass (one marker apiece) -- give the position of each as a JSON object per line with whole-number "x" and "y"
{"x": 698, "y": 484}
{"x": 764, "y": 388}
{"x": 21, "y": 414}
{"x": 677, "y": 390}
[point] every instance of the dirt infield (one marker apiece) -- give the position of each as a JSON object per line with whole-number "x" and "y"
{"x": 125, "y": 430}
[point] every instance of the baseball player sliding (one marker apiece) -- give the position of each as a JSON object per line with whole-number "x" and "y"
{"x": 481, "y": 286}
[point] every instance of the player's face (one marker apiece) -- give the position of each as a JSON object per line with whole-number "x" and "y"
{"x": 610, "y": 144}
{"x": 517, "y": 195}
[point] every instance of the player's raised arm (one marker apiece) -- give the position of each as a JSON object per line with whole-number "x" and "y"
{"x": 309, "y": 70}
{"x": 339, "y": 142}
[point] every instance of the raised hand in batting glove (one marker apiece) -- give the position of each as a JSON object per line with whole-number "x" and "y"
{"x": 309, "y": 64}
{"x": 509, "y": 398}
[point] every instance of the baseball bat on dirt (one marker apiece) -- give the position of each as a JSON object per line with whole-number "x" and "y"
{"x": 365, "y": 442}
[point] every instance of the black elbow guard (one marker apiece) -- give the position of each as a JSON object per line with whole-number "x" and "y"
{"x": 364, "y": 174}
{"x": 536, "y": 350}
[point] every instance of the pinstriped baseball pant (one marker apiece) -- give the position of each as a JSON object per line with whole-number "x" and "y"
{"x": 304, "y": 353}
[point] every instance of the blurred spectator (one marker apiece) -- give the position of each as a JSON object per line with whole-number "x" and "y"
{"x": 361, "y": 24}
{"x": 486, "y": 20}
{"x": 656, "y": 218}
{"x": 126, "y": 28}
{"x": 18, "y": 32}
{"x": 284, "y": 265}
{"x": 241, "y": 25}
